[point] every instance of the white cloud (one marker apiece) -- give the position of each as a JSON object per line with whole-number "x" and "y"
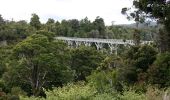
{"x": 65, "y": 9}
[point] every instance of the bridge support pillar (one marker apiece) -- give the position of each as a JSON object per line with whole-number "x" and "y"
{"x": 78, "y": 43}
{"x": 99, "y": 45}
{"x": 127, "y": 45}
{"x": 87, "y": 44}
{"x": 113, "y": 47}
{"x": 70, "y": 43}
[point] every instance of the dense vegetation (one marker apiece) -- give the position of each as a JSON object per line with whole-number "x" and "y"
{"x": 35, "y": 66}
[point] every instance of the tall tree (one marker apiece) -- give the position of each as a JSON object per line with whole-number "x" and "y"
{"x": 136, "y": 37}
{"x": 35, "y": 22}
{"x": 153, "y": 9}
{"x": 159, "y": 72}
{"x": 50, "y": 25}
{"x": 99, "y": 25}
{"x": 85, "y": 25}
{"x": 50, "y": 21}
{"x": 39, "y": 63}
{"x": 137, "y": 61}
{"x": 84, "y": 61}
{"x": 1, "y": 20}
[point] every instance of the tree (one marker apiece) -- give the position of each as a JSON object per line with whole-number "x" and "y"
{"x": 104, "y": 78}
{"x": 133, "y": 15}
{"x": 99, "y": 25}
{"x": 50, "y": 24}
{"x": 94, "y": 34}
{"x": 50, "y": 21}
{"x": 85, "y": 25}
{"x": 2, "y": 22}
{"x": 103, "y": 81}
{"x": 162, "y": 42}
{"x": 39, "y": 63}
{"x": 159, "y": 72}
{"x": 13, "y": 31}
{"x": 34, "y": 22}
{"x": 75, "y": 25}
{"x": 49, "y": 35}
{"x": 65, "y": 29}
{"x": 137, "y": 61}
{"x": 4, "y": 53}
{"x": 84, "y": 61}
{"x": 153, "y": 9}
{"x": 2, "y": 25}
{"x": 136, "y": 37}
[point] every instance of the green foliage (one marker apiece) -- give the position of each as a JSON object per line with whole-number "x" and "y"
{"x": 103, "y": 81}
{"x": 30, "y": 98}
{"x": 4, "y": 53}
{"x": 13, "y": 31}
{"x": 158, "y": 10}
{"x": 119, "y": 32}
{"x": 34, "y": 22}
{"x": 71, "y": 92}
{"x": 80, "y": 91}
{"x": 50, "y": 25}
{"x": 99, "y": 25}
{"x": 50, "y": 35}
{"x": 105, "y": 96}
{"x": 159, "y": 72}
{"x": 137, "y": 61}
{"x": 136, "y": 37}
{"x": 1, "y": 20}
{"x": 154, "y": 93}
{"x": 39, "y": 60}
{"x": 132, "y": 95}
{"x": 84, "y": 61}
{"x": 38, "y": 65}
{"x": 17, "y": 91}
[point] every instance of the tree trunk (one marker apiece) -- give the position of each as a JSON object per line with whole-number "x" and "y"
{"x": 35, "y": 81}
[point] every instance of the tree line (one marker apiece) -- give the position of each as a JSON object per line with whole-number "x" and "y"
{"x": 33, "y": 63}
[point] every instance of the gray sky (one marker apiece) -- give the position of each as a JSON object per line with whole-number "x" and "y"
{"x": 65, "y": 9}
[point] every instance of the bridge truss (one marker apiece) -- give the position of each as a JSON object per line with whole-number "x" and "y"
{"x": 99, "y": 43}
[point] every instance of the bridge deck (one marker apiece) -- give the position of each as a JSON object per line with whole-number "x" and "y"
{"x": 112, "y": 43}
{"x": 97, "y": 40}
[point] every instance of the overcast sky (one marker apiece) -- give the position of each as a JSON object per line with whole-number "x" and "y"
{"x": 109, "y": 10}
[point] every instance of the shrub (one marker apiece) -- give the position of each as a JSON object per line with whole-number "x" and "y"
{"x": 79, "y": 91}
{"x": 105, "y": 96}
{"x": 154, "y": 93}
{"x": 132, "y": 95}
{"x": 103, "y": 81}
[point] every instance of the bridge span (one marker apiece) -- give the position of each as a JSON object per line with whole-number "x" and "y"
{"x": 99, "y": 43}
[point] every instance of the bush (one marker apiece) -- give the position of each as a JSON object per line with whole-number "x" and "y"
{"x": 72, "y": 92}
{"x": 154, "y": 93}
{"x": 81, "y": 91}
{"x": 103, "y": 81}
{"x": 31, "y": 98}
{"x": 78, "y": 91}
{"x": 105, "y": 96}
{"x": 132, "y": 95}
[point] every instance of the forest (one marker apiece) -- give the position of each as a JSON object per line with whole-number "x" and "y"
{"x": 36, "y": 66}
